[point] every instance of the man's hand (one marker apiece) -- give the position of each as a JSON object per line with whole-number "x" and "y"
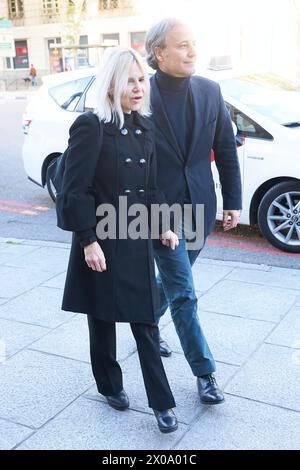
{"x": 94, "y": 257}
{"x": 169, "y": 239}
{"x": 230, "y": 219}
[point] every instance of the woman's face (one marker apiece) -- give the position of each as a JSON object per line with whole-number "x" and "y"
{"x": 132, "y": 98}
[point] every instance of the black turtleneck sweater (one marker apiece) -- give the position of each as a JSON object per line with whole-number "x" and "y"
{"x": 178, "y": 103}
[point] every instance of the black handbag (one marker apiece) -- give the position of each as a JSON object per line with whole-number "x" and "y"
{"x": 56, "y": 168}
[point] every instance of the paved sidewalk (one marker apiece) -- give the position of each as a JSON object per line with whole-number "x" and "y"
{"x": 48, "y": 400}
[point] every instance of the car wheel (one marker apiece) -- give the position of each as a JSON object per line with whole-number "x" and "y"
{"x": 50, "y": 186}
{"x": 279, "y": 216}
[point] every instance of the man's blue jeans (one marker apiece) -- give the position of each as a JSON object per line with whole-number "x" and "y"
{"x": 176, "y": 290}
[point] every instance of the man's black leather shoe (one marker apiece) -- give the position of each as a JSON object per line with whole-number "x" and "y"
{"x": 208, "y": 389}
{"x": 166, "y": 420}
{"x": 164, "y": 348}
{"x": 120, "y": 401}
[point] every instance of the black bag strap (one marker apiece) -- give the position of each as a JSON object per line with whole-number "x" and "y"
{"x": 56, "y": 169}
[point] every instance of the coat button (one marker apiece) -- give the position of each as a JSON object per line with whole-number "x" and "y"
{"x": 124, "y": 131}
{"x": 141, "y": 192}
{"x": 142, "y": 161}
{"x": 127, "y": 191}
{"x": 128, "y": 161}
{"x": 138, "y": 132}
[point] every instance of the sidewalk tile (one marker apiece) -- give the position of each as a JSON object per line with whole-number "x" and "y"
{"x": 12, "y": 251}
{"x": 248, "y": 301}
{"x": 15, "y": 336}
{"x": 15, "y": 281}
{"x": 3, "y": 259}
{"x": 50, "y": 244}
{"x": 71, "y": 340}
{"x": 57, "y": 282}
{"x": 232, "y": 264}
{"x": 231, "y": 339}
{"x": 287, "y": 333}
{"x": 49, "y": 259}
{"x": 241, "y": 424}
{"x": 17, "y": 241}
{"x": 11, "y": 434}
{"x": 205, "y": 276}
{"x": 284, "y": 278}
{"x": 40, "y": 306}
{"x": 35, "y": 386}
{"x": 91, "y": 425}
{"x": 270, "y": 376}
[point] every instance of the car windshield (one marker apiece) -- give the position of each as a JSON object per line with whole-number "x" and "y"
{"x": 279, "y": 102}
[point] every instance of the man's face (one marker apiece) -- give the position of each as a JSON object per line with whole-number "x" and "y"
{"x": 179, "y": 56}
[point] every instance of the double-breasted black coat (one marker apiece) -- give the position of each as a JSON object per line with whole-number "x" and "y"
{"x": 103, "y": 163}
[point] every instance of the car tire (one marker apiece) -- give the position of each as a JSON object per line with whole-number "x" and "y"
{"x": 279, "y": 216}
{"x": 50, "y": 186}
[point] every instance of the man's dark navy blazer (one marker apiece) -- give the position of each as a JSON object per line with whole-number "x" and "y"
{"x": 212, "y": 130}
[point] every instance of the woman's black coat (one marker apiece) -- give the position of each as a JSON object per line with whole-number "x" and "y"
{"x": 103, "y": 163}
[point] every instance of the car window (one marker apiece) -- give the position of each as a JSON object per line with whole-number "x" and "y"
{"x": 67, "y": 95}
{"x": 279, "y": 105}
{"x": 90, "y": 97}
{"x": 246, "y": 126}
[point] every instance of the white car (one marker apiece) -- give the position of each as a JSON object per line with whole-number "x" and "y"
{"x": 267, "y": 121}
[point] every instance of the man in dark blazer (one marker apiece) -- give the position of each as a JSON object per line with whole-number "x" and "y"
{"x": 190, "y": 120}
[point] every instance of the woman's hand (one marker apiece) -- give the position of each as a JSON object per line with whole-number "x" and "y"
{"x": 94, "y": 257}
{"x": 169, "y": 239}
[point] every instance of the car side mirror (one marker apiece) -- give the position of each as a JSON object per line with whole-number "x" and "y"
{"x": 234, "y": 127}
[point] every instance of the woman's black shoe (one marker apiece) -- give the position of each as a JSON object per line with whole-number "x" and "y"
{"x": 166, "y": 420}
{"x": 120, "y": 401}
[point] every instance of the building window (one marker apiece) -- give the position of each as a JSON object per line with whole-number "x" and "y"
{"x": 112, "y": 39}
{"x": 50, "y": 7}
{"x": 109, "y": 4}
{"x": 55, "y": 55}
{"x": 83, "y": 54}
{"x": 137, "y": 41}
{"x": 15, "y": 9}
{"x": 21, "y": 60}
{"x": 72, "y": 6}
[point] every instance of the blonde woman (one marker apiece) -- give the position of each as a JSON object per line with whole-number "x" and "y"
{"x": 112, "y": 279}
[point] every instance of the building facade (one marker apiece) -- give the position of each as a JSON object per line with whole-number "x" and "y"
{"x": 57, "y": 35}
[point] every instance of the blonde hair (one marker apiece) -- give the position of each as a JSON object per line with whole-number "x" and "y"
{"x": 112, "y": 81}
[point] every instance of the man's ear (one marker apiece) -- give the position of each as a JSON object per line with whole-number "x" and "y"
{"x": 159, "y": 54}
